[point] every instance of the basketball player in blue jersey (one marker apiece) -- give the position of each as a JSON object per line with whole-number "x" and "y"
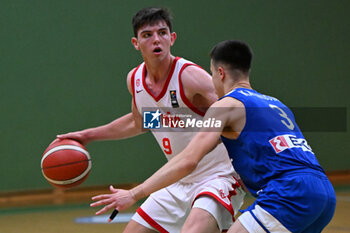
{"x": 267, "y": 149}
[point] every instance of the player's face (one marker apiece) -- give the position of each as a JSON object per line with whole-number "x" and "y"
{"x": 155, "y": 40}
{"x": 217, "y": 80}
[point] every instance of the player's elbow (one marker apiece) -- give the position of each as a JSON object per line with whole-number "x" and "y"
{"x": 189, "y": 165}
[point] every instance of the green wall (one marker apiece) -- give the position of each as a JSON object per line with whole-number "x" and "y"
{"x": 63, "y": 67}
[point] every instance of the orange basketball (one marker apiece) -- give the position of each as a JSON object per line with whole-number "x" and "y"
{"x": 65, "y": 163}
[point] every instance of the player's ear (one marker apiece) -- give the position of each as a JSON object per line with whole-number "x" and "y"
{"x": 135, "y": 42}
{"x": 221, "y": 72}
{"x": 173, "y": 37}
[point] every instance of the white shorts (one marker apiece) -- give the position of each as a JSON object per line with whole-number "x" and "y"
{"x": 257, "y": 219}
{"x": 167, "y": 209}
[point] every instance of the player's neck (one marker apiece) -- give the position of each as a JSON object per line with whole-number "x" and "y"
{"x": 158, "y": 70}
{"x": 240, "y": 84}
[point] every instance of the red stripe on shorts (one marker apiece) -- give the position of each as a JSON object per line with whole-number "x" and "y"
{"x": 228, "y": 207}
{"x": 150, "y": 221}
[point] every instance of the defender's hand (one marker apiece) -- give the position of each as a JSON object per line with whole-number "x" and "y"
{"x": 119, "y": 199}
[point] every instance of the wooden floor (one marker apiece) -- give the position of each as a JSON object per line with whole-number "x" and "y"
{"x": 61, "y": 218}
{"x": 55, "y": 211}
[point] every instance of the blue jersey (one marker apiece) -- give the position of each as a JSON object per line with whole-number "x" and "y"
{"x": 270, "y": 145}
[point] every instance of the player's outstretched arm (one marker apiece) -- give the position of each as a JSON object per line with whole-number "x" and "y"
{"x": 126, "y": 126}
{"x": 177, "y": 168}
{"x": 120, "y": 128}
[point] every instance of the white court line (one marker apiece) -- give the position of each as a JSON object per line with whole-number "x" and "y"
{"x": 120, "y": 218}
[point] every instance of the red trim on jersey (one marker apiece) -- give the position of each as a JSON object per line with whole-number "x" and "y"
{"x": 237, "y": 184}
{"x": 227, "y": 206}
{"x": 133, "y": 83}
{"x": 150, "y": 221}
{"x": 165, "y": 87}
{"x": 182, "y": 92}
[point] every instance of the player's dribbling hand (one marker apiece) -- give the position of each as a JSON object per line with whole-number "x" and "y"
{"x": 77, "y": 136}
{"x": 119, "y": 199}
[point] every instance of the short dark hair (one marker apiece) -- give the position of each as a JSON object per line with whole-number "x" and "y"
{"x": 151, "y": 16}
{"x": 237, "y": 54}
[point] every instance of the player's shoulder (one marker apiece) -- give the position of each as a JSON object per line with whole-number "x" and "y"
{"x": 194, "y": 77}
{"x": 228, "y": 102}
{"x": 131, "y": 72}
{"x": 129, "y": 79}
{"x": 192, "y": 71}
{"x": 227, "y": 110}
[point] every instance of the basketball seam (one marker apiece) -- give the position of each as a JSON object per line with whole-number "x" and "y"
{"x": 67, "y": 164}
{"x": 64, "y": 147}
{"x": 70, "y": 181}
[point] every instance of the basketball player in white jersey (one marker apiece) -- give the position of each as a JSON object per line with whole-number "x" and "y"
{"x": 208, "y": 198}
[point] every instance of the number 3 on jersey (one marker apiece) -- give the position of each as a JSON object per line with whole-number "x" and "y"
{"x": 289, "y": 124}
{"x": 167, "y": 146}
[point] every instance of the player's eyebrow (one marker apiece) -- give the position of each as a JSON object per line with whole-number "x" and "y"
{"x": 163, "y": 28}
{"x": 147, "y": 31}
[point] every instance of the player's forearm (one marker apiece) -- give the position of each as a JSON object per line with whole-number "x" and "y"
{"x": 180, "y": 166}
{"x": 174, "y": 170}
{"x": 162, "y": 179}
{"x": 123, "y": 127}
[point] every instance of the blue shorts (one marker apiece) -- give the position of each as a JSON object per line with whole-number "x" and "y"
{"x": 302, "y": 201}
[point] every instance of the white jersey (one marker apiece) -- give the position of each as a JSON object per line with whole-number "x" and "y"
{"x": 174, "y": 140}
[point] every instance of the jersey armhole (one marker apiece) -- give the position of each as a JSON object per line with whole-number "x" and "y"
{"x": 245, "y": 125}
